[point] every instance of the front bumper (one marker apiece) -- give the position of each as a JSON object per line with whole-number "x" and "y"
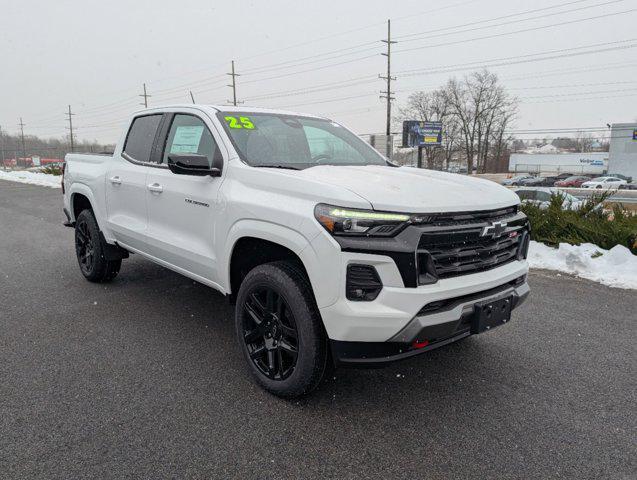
{"x": 396, "y": 306}
{"x": 437, "y": 324}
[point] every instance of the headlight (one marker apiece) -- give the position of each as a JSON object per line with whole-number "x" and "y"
{"x": 348, "y": 221}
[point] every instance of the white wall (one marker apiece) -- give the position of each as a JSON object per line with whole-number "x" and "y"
{"x": 595, "y": 163}
{"x": 623, "y": 150}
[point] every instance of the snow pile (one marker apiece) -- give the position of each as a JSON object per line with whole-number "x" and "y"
{"x": 616, "y": 267}
{"x": 34, "y": 178}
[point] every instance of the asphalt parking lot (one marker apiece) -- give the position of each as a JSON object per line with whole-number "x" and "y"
{"x": 141, "y": 378}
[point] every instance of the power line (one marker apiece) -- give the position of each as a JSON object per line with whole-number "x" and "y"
{"x": 579, "y": 99}
{"x": 419, "y": 35}
{"x": 503, "y": 61}
{"x": 329, "y": 100}
{"x": 351, "y": 50}
{"x": 525, "y": 30}
{"x": 208, "y": 79}
{"x": 557, "y": 95}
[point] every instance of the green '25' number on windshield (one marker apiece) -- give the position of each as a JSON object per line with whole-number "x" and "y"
{"x": 241, "y": 122}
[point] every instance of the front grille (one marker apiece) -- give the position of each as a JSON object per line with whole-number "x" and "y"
{"x": 463, "y": 250}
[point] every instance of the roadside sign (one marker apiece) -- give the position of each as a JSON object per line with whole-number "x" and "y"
{"x": 635, "y": 134}
{"x": 422, "y": 134}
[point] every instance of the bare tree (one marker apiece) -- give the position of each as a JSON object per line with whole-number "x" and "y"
{"x": 476, "y": 112}
{"x": 585, "y": 141}
{"x": 433, "y": 106}
{"x": 485, "y": 110}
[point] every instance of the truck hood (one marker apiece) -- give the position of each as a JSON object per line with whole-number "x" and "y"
{"x": 413, "y": 190}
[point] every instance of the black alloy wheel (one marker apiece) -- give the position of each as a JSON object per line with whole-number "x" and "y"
{"x": 90, "y": 250}
{"x": 270, "y": 333}
{"x": 84, "y": 247}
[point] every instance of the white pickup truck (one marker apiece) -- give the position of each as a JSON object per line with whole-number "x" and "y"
{"x": 332, "y": 254}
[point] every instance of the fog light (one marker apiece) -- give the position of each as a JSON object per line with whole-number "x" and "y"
{"x": 363, "y": 283}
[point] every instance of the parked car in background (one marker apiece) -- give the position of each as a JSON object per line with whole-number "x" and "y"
{"x": 542, "y": 197}
{"x": 563, "y": 176}
{"x": 515, "y": 180}
{"x": 605, "y": 183}
{"x": 628, "y": 186}
{"x": 538, "y": 182}
{"x": 620, "y": 176}
{"x": 574, "y": 181}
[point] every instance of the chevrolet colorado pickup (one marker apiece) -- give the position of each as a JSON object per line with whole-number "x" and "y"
{"x": 332, "y": 254}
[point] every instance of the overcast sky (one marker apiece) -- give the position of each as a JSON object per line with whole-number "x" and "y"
{"x": 95, "y": 55}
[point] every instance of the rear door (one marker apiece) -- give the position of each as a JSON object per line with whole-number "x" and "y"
{"x": 127, "y": 214}
{"x": 183, "y": 210}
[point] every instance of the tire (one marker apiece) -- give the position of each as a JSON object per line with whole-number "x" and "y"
{"x": 90, "y": 252}
{"x": 279, "y": 330}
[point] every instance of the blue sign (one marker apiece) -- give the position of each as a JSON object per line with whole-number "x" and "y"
{"x": 635, "y": 134}
{"x": 422, "y": 134}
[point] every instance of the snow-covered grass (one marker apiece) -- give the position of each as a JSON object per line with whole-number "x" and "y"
{"x": 34, "y": 178}
{"x": 616, "y": 267}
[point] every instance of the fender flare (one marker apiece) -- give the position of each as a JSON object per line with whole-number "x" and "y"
{"x": 275, "y": 233}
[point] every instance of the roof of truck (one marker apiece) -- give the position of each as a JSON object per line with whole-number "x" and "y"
{"x": 232, "y": 108}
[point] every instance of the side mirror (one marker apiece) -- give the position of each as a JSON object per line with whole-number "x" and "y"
{"x": 191, "y": 164}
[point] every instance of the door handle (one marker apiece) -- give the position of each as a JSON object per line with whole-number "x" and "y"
{"x": 155, "y": 187}
{"x": 116, "y": 180}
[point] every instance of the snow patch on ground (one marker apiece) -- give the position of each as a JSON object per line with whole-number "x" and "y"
{"x": 616, "y": 267}
{"x": 33, "y": 178}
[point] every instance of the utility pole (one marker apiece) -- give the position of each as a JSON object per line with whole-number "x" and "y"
{"x": 70, "y": 119}
{"x": 146, "y": 96}
{"x": 24, "y": 150}
{"x": 2, "y": 148}
{"x": 234, "y": 85}
{"x": 388, "y": 93}
{"x": 192, "y": 97}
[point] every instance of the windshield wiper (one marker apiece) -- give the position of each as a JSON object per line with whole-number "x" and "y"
{"x": 287, "y": 167}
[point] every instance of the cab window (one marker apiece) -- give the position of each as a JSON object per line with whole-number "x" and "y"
{"x": 140, "y": 138}
{"x": 189, "y": 134}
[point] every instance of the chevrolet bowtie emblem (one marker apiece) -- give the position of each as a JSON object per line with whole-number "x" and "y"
{"x": 494, "y": 230}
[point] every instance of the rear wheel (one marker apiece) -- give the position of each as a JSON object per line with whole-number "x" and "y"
{"x": 279, "y": 330}
{"x": 90, "y": 252}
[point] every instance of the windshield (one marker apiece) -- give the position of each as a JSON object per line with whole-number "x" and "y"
{"x": 289, "y": 141}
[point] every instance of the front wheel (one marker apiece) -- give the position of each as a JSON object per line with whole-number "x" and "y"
{"x": 90, "y": 252}
{"x": 279, "y": 330}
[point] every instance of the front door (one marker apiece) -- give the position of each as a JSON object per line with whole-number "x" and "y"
{"x": 126, "y": 184}
{"x": 183, "y": 209}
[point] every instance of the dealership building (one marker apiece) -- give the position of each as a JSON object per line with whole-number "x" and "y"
{"x": 622, "y": 157}
{"x": 594, "y": 163}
